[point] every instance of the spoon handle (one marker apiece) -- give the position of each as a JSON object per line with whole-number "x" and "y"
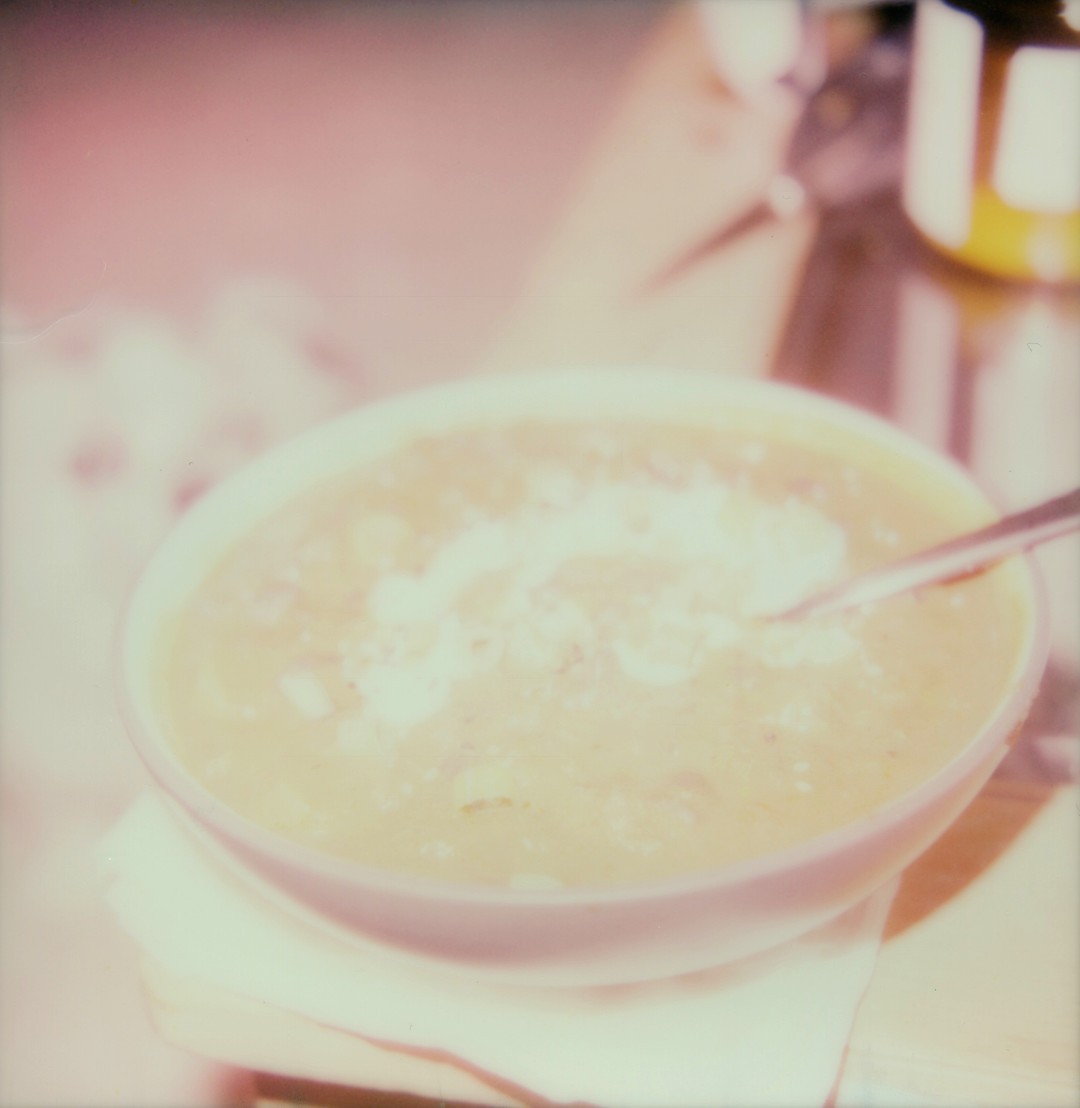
{"x": 954, "y": 558}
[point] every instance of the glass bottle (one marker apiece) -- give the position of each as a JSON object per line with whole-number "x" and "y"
{"x": 992, "y": 172}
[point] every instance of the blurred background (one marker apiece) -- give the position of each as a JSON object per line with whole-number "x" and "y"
{"x": 220, "y": 224}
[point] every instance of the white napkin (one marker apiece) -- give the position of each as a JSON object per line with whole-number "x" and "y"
{"x": 768, "y": 1031}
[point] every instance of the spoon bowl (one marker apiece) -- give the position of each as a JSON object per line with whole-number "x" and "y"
{"x": 956, "y": 558}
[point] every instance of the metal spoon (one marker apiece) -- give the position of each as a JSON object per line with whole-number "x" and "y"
{"x": 847, "y": 145}
{"x": 951, "y": 559}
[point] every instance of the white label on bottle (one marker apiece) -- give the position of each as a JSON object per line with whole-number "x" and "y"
{"x": 940, "y": 163}
{"x": 1037, "y": 165}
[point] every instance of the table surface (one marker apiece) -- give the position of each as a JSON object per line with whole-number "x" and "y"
{"x": 515, "y": 253}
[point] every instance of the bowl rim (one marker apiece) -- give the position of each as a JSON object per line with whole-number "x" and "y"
{"x": 410, "y": 408}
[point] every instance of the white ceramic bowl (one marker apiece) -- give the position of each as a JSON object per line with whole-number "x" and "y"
{"x": 578, "y": 935}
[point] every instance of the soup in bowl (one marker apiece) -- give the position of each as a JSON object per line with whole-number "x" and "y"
{"x": 486, "y": 675}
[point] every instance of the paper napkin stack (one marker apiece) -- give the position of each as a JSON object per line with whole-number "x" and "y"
{"x": 766, "y": 1031}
